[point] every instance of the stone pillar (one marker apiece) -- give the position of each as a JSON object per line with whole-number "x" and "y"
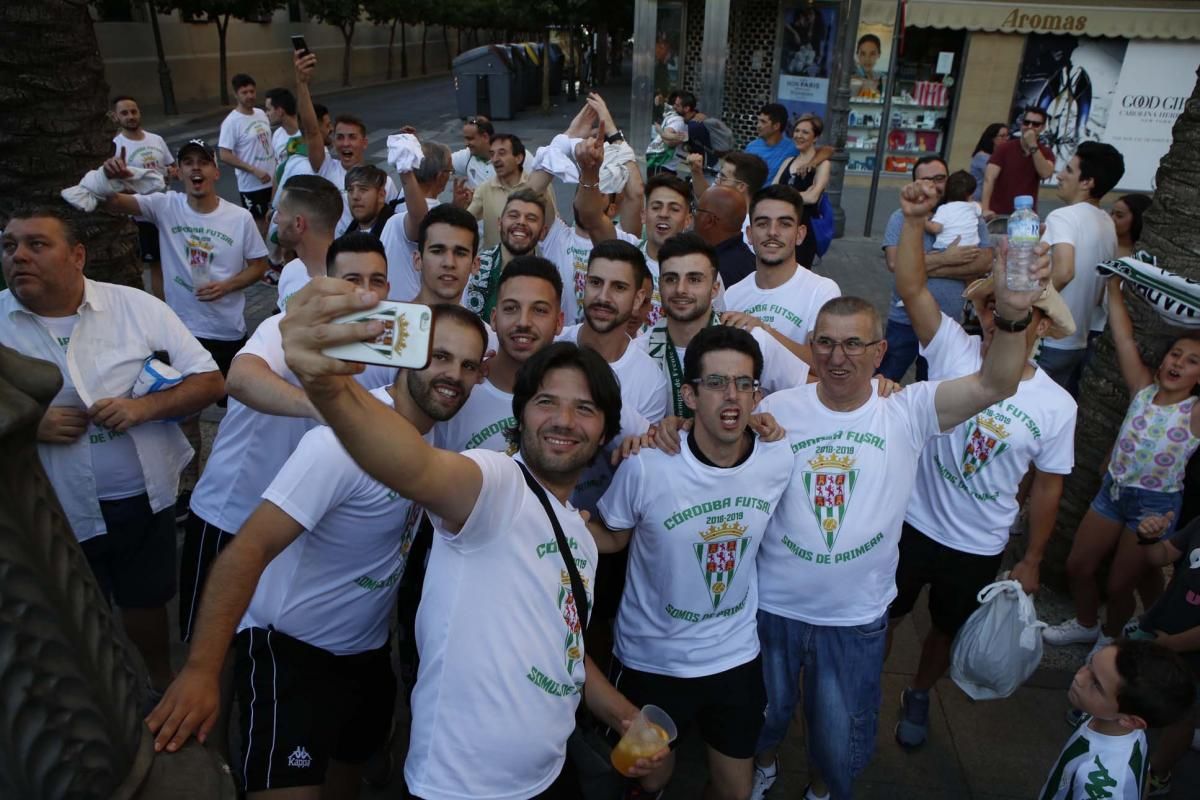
{"x": 641, "y": 96}
{"x": 713, "y": 54}
{"x": 839, "y": 109}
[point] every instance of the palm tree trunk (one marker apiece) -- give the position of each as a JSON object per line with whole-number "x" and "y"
{"x": 1171, "y": 231}
{"x": 52, "y": 82}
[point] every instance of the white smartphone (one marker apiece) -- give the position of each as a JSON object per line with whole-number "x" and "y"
{"x": 406, "y": 341}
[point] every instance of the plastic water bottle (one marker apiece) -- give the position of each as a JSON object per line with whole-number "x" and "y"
{"x": 1023, "y": 235}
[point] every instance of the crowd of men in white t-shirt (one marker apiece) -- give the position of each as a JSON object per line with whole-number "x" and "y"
{"x": 761, "y": 508}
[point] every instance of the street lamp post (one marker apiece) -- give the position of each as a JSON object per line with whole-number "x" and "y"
{"x": 839, "y": 110}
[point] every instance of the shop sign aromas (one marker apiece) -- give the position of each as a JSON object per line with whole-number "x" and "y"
{"x": 1018, "y": 20}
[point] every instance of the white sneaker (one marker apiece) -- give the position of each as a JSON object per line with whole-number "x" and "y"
{"x": 1070, "y": 632}
{"x": 809, "y": 794}
{"x": 1102, "y": 642}
{"x": 764, "y": 779}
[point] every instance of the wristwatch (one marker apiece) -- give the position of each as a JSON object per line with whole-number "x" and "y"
{"x": 1013, "y": 326}
{"x": 615, "y": 136}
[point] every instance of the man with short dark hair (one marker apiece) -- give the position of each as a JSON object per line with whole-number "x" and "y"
{"x": 245, "y": 145}
{"x": 492, "y": 532}
{"x": 948, "y": 271}
{"x": 473, "y": 163}
{"x": 366, "y": 195}
{"x": 444, "y": 255}
{"x": 773, "y": 144}
{"x": 1081, "y": 235}
{"x": 306, "y": 212}
{"x": 488, "y": 201}
{"x": 826, "y": 569}
{"x": 422, "y": 186}
{"x": 1018, "y": 166}
{"x": 280, "y": 105}
{"x": 147, "y": 151}
{"x": 110, "y": 447}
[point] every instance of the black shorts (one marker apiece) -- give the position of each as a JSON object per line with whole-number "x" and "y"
{"x": 728, "y": 706}
{"x": 201, "y": 544}
{"x": 222, "y": 351}
{"x": 148, "y": 242}
{"x": 134, "y": 562}
{"x": 258, "y": 202}
{"x": 302, "y": 706}
{"x": 954, "y": 579}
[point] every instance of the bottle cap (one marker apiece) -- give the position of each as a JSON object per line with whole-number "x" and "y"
{"x": 1023, "y": 201}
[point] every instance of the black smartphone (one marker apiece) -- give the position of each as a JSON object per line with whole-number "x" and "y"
{"x": 299, "y": 45}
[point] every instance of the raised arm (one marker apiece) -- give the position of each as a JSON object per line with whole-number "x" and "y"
{"x": 958, "y": 400}
{"x": 116, "y": 167}
{"x": 916, "y": 201}
{"x": 310, "y": 126}
{"x": 252, "y": 382}
{"x": 589, "y": 201}
{"x": 191, "y": 703}
{"x": 633, "y": 200}
{"x": 415, "y": 203}
{"x": 446, "y": 484}
{"x": 1135, "y": 372}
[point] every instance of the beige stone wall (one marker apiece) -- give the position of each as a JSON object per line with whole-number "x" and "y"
{"x": 993, "y": 63}
{"x": 262, "y": 50}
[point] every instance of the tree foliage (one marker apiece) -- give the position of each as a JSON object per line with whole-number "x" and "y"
{"x": 343, "y": 15}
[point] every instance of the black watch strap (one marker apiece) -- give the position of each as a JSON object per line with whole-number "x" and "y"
{"x": 615, "y": 136}
{"x": 1013, "y": 326}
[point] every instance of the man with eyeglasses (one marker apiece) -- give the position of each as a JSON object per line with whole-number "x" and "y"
{"x": 828, "y": 561}
{"x": 1017, "y": 166}
{"x": 685, "y": 637}
{"x": 947, "y": 270}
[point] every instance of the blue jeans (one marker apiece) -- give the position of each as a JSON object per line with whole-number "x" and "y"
{"x": 842, "y": 669}
{"x": 902, "y": 347}
{"x": 1132, "y": 504}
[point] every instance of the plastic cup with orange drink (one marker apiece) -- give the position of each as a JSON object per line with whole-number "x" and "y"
{"x": 652, "y": 731}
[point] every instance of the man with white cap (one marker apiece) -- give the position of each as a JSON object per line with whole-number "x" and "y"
{"x": 968, "y": 481}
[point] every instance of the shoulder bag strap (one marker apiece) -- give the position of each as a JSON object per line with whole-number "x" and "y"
{"x": 577, "y": 587}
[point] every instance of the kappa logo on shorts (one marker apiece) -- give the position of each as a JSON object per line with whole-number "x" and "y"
{"x": 300, "y": 758}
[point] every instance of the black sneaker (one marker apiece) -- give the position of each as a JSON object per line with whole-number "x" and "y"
{"x": 183, "y": 506}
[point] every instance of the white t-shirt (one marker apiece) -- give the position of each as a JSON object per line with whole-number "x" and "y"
{"x": 296, "y": 164}
{"x": 149, "y": 152}
{"x": 502, "y": 656}
{"x": 114, "y": 457}
{"x": 645, "y": 398}
{"x": 279, "y": 142}
{"x": 790, "y": 308}
{"x": 334, "y": 586}
{"x": 251, "y": 446}
{"x": 967, "y": 481}
{"x": 292, "y": 278}
{"x": 220, "y": 243}
{"x": 249, "y": 137}
{"x": 831, "y": 549}
{"x": 1090, "y": 231}
{"x": 402, "y": 274}
{"x": 579, "y": 248}
{"x": 475, "y": 169}
{"x": 1095, "y": 765}
{"x": 556, "y": 248}
{"x": 333, "y": 171}
{"x": 480, "y": 423}
{"x": 691, "y": 592}
{"x": 959, "y": 220}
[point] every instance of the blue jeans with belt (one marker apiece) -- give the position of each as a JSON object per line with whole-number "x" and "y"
{"x": 842, "y": 671}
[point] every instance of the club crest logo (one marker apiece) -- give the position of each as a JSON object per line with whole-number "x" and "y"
{"x": 719, "y": 556}
{"x": 573, "y": 646}
{"x": 829, "y": 486}
{"x": 199, "y": 252}
{"x": 984, "y": 442}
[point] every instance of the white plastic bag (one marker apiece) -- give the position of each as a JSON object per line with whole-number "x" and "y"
{"x": 1000, "y": 646}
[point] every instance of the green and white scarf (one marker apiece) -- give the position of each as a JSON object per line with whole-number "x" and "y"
{"x": 484, "y": 286}
{"x": 663, "y": 350}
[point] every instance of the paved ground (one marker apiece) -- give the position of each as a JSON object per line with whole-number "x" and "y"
{"x": 999, "y": 750}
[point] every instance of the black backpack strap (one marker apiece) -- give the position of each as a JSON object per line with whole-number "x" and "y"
{"x": 577, "y": 588}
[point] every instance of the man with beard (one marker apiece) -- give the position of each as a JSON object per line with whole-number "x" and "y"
{"x": 148, "y": 151}
{"x": 349, "y": 136}
{"x": 500, "y": 626}
{"x": 245, "y": 144}
{"x": 280, "y": 105}
{"x": 490, "y": 200}
{"x": 522, "y": 229}
{"x": 306, "y": 211}
{"x": 781, "y": 294}
{"x": 688, "y": 281}
{"x": 311, "y": 577}
{"x": 527, "y": 316}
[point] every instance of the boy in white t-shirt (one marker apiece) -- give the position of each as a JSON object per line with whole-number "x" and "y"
{"x": 313, "y": 670}
{"x": 1124, "y": 689}
{"x": 686, "y": 637}
{"x": 956, "y": 220}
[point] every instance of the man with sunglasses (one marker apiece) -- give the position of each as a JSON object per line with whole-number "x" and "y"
{"x": 1017, "y": 166}
{"x": 827, "y": 564}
